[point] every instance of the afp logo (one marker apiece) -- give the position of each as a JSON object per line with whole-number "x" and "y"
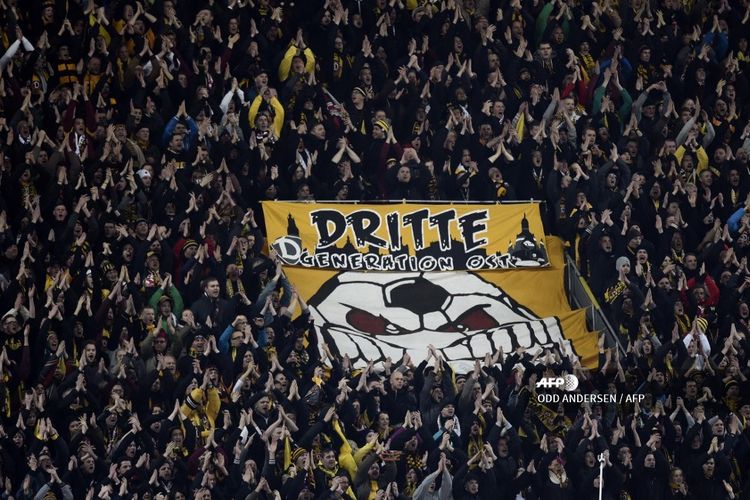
{"x": 568, "y": 383}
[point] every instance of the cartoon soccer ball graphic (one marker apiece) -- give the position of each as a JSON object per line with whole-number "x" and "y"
{"x": 371, "y": 316}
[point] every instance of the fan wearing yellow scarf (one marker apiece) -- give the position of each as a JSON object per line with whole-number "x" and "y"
{"x": 372, "y": 476}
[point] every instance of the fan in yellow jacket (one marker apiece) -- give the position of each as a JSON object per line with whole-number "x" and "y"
{"x": 201, "y": 407}
{"x": 298, "y": 59}
{"x": 262, "y": 121}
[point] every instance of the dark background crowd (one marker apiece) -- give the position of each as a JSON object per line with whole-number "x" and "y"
{"x": 151, "y": 350}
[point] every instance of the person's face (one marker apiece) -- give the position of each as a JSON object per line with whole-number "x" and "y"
{"x": 624, "y": 454}
{"x": 691, "y": 388}
{"x": 720, "y": 156}
{"x": 545, "y": 51}
{"x": 152, "y": 263}
{"x": 647, "y": 346}
{"x": 404, "y": 174}
{"x": 378, "y": 132}
{"x": 90, "y": 352}
{"x": 344, "y": 482}
{"x": 165, "y": 471}
{"x": 625, "y": 268}
{"x": 263, "y": 405}
{"x": 718, "y": 428}
{"x": 700, "y": 76}
{"x": 677, "y": 476}
{"x": 177, "y": 437}
{"x": 270, "y": 334}
{"x": 412, "y": 444}
{"x": 707, "y": 178}
{"x": 590, "y": 135}
{"x": 691, "y": 262}
{"x": 199, "y": 343}
{"x": 448, "y": 411}
{"x": 303, "y": 193}
{"x": 170, "y": 363}
{"x": 143, "y": 134}
{"x": 590, "y": 459}
{"x": 11, "y": 326}
{"x": 52, "y": 342}
{"x": 374, "y": 471}
{"x": 148, "y": 316}
{"x": 236, "y": 338}
{"x": 494, "y": 61}
{"x": 498, "y": 108}
{"x": 536, "y": 159}
{"x": 709, "y": 466}
{"x": 319, "y": 131}
{"x": 558, "y": 36}
{"x": 212, "y": 289}
{"x": 485, "y": 131}
{"x": 474, "y": 431}
{"x": 329, "y": 459}
{"x": 60, "y": 213}
{"x": 397, "y": 381}
{"x": 569, "y": 104}
{"x": 366, "y": 76}
{"x": 88, "y": 464}
{"x": 175, "y": 144}
{"x": 734, "y": 178}
{"x": 95, "y": 65}
{"x": 233, "y": 26}
{"x": 111, "y": 420}
{"x": 641, "y": 255}
{"x": 664, "y": 284}
{"x": 611, "y": 180}
{"x": 460, "y": 384}
{"x": 160, "y": 344}
{"x": 472, "y": 487}
{"x": 383, "y": 421}
{"x": 281, "y": 382}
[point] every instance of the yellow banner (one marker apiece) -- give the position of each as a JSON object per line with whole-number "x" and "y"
{"x": 406, "y": 237}
{"x": 464, "y": 314}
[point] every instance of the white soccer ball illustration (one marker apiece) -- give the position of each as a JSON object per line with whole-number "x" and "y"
{"x": 371, "y": 316}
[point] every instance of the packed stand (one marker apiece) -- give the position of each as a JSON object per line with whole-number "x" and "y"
{"x": 150, "y": 350}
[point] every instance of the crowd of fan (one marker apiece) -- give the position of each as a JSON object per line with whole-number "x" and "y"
{"x": 149, "y": 348}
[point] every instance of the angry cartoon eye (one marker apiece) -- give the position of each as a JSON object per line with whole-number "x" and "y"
{"x": 475, "y": 318}
{"x": 369, "y": 323}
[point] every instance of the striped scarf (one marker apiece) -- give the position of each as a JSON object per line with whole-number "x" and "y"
{"x": 231, "y": 291}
